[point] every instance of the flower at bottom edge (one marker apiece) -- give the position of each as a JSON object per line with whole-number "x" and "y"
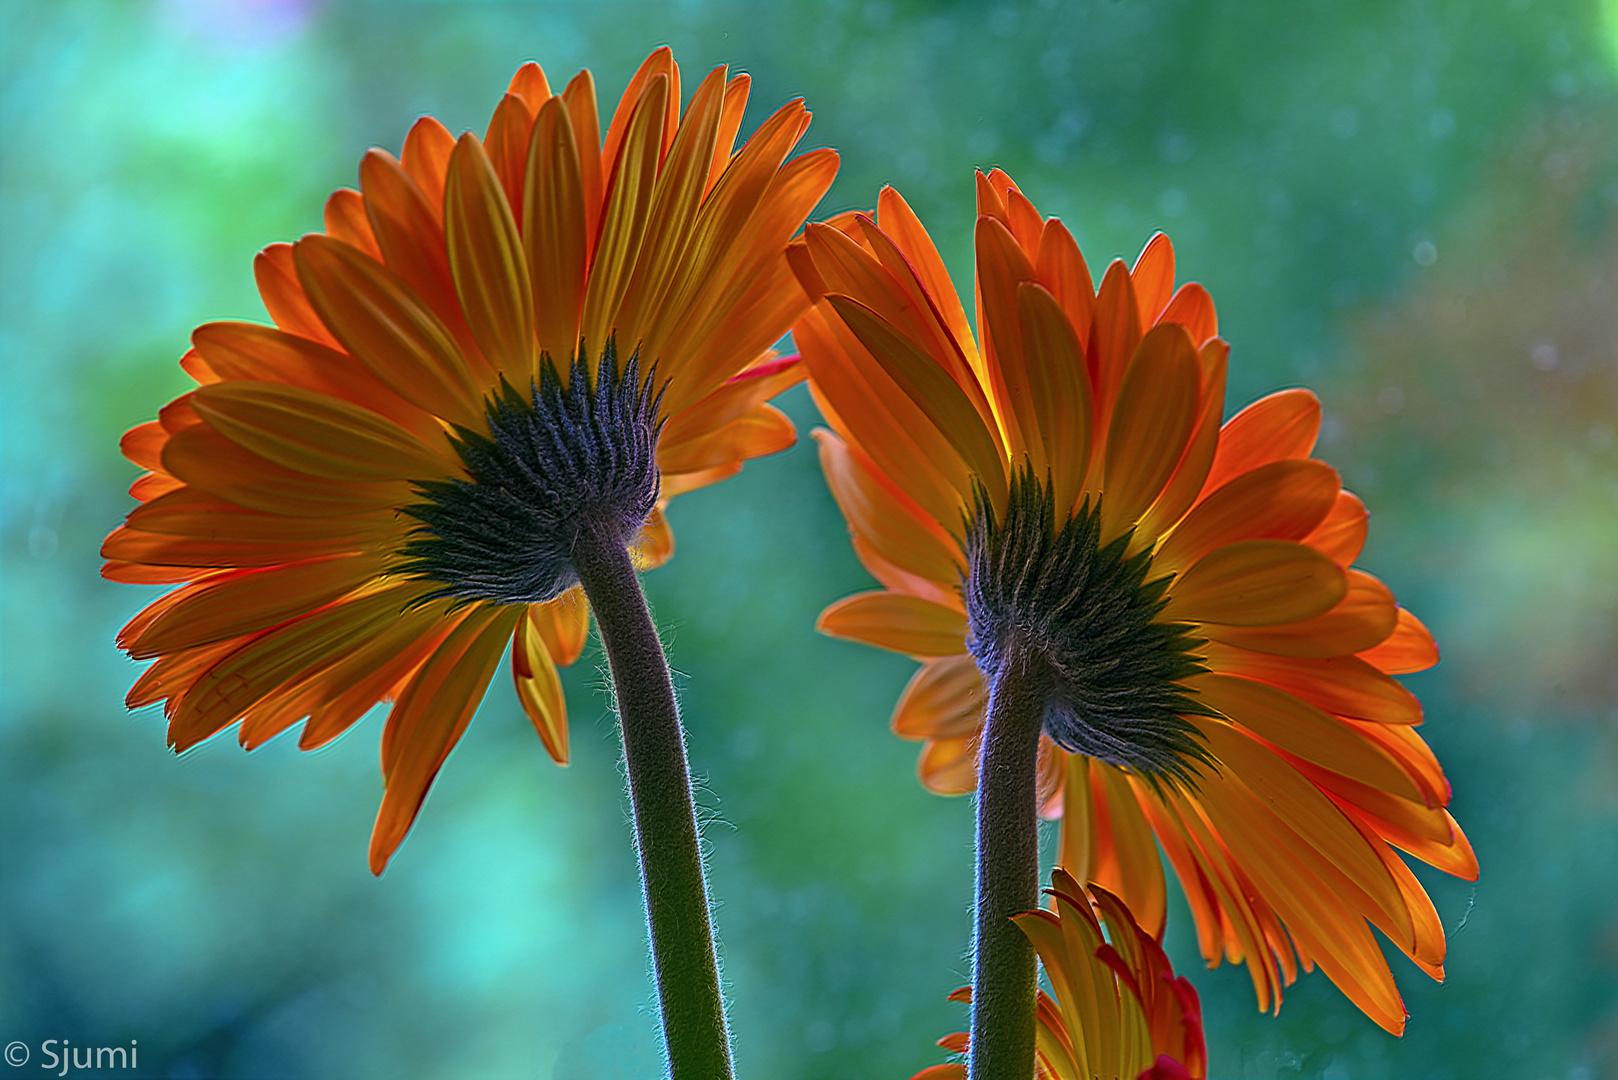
{"x": 1117, "y": 1011}
{"x": 324, "y": 499}
{"x": 1224, "y": 675}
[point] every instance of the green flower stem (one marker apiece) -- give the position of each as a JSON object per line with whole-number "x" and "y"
{"x": 1004, "y": 980}
{"x": 695, "y": 1034}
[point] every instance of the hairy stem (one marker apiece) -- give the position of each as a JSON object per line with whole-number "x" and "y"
{"x": 695, "y": 1034}
{"x": 1003, "y": 972}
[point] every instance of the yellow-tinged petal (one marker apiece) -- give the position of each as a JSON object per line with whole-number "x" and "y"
{"x": 654, "y": 545}
{"x": 943, "y": 700}
{"x": 247, "y": 601}
{"x": 1343, "y": 685}
{"x": 563, "y": 624}
{"x": 381, "y": 323}
{"x": 1256, "y": 583}
{"x": 429, "y": 718}
{"x": 629, "y": 204}
{"x": 1300, "y": 728}
{"x": 316, "y": 433}
{"x": 1364, "y": 617}
{"x": 486, "y": 259}
{"x": 949, "y": 766}
{"x": 539, "y": 688}
{"x": 932, "y": 391}
{"x": 905, "y": 624}
{"x": 246, "y": 351}
{"x": 556, "y": 231}
{"x": 203, "y": 458}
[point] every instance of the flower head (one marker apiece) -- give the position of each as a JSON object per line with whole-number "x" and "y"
{"x": 1217, "y": 676}
{"x": 494, "y": 343}
{"x": 1117, "y": 1010}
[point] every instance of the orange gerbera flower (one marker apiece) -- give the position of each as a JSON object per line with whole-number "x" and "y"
{"x": 321, "y": 494}
{"x": 1222, "y": 674}
{"x": 1118, "y": 1011}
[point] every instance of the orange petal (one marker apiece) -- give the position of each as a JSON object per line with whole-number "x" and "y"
{"x": 900, "y": 223}
{"x": 238, "y": 350}
{"x": 556, "y": 232}
{"x": 1256, "y": 583}
{"x": 881, "y": 514}
{"x": 870, "y": 410}
{"x": 1193, "y": 309}
{"x": 1060, "y": 391}
{"x": 316, "y": 433}
{"x": 762, "y": 430}
{"x": 1343, "y": 685}
{"x": 345, "y": 220}
{"x": 1299, "y": 728}
{"x": 206, "y": 459}
{"x": 563, "y": 624}
{"x": 905, "y": 624}
{"x": 1363, "y": 618}
{"x": 1284, "y": 500}
{"x": 425, "y": 157}
{"x": 486, "y": 260}
{"x": 410, "y": 231}
{"x": 644, "y": 315}
{"x": 1408, "y": 648}
{"x": 1153, "y": 278}
{"x": 1282, "y": 425}
{"x": 283, "y": 295}
{"x": 507, "y": 143}
{"x": 1125, "y": 859}
{"x": 429, "y": 718}
{"x": 1157, "y": 409}
{"x": 1115, "y": 333}
{"x": 1001, "y": 266}
{"x": 629, "y": 202}
{"x": 539, "y": 688}
{"x": 580, "y": 96}
{"x": 932, "y": 391}
{"x": 949, "y": 766}
{"x": 943, "y": 700}
{"x": 1341, "y": 535}
{"x": 388, "y": 330}
{"x": 247, "y": 601}
{"x": 1061, "y": 269}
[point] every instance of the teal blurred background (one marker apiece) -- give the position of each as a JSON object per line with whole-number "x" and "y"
{"x": 1409, "y": 205}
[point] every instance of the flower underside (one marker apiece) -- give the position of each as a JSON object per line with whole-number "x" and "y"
{"x": 1055, "y": 597}
{"x": 556, "y": 461}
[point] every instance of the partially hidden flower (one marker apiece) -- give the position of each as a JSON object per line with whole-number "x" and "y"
{"x": 1118, "y": 1011}
{"x": 1221, "y": 673}
{"x": 493, "y": 340}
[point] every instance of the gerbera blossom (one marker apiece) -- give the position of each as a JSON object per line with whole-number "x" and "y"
{"x": 1220, "y": 675}
{"x": 1118, "y": 1009}
{"x": 318, "y": 496}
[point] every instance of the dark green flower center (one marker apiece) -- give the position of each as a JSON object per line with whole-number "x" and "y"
{"x": 1053, "y": 595}
{"x": 556, "y": 460}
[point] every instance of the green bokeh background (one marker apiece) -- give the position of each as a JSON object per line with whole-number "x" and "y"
{"x": 1409, "y": 205}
